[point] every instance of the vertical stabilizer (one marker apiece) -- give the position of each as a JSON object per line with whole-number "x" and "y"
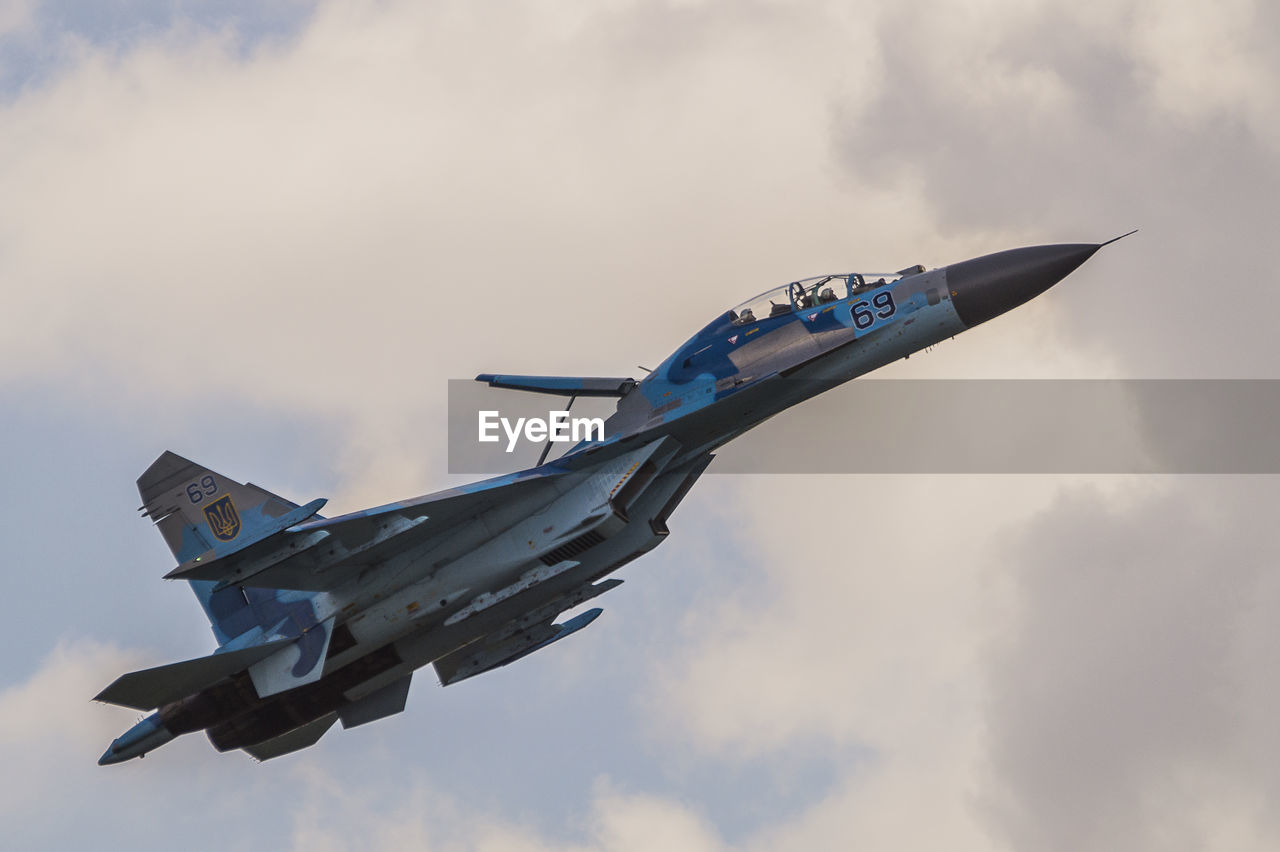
{"x": 199, "y": 510}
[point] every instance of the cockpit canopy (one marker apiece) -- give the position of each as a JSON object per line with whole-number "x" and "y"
{"x": 808, "y": 293}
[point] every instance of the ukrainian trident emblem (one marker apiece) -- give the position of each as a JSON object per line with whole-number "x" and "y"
{"x": 224, "y": 520}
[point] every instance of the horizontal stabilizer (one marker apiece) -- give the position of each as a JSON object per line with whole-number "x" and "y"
{"x": 562, "y": 385}
{"x": 317, "y": 560}
{"x": 385, "y": 702}
{"x": 214, "y": 564}
{"x": 204, "y": 515}
{"x": 297, "y": 739}
{"x": 151, "y": 688}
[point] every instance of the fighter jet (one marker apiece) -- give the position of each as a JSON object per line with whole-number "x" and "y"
{"x": 323, "y": 620}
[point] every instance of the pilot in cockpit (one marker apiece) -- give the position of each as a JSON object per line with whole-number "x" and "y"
{"x": 803, "y": 299}
{"x": 826, "y": 296}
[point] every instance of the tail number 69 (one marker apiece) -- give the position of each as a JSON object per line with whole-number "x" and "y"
{"x": 863, "y": 315}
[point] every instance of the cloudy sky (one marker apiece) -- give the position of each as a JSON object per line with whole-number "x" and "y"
{"x": 266, "y": 239}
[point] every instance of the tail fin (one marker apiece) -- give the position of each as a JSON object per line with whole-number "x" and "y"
{"x": 198, "y": 510}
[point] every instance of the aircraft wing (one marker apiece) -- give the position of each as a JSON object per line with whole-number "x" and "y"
{"x": 322, "y": 554}
{"x": 150, "y": 688}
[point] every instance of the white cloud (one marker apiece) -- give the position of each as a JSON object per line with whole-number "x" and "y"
{"x": 867, "y": 642}
{"x": 421, "y": 815}
{"x": 1210, "y": 64}
{"x": 1086, "y": 669}
{"x": 1129, "y": 706}
{"x": 51, "y": 706}
{"x": 636, "y": 823}
{"x": 50, "y": 729}
{"x": 879, "y": 598}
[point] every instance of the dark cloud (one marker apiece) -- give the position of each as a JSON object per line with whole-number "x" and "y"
{"x": 1128, "y": 704}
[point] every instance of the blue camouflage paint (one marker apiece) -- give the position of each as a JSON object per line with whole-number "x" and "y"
{"x": 236, "y": 610}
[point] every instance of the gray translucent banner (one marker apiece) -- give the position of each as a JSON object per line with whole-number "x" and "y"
{"x": 954, "y": 426}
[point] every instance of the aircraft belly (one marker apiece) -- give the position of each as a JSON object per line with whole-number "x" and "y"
{"x": 380, "y": 665}
{"x": 419, "y": 644}
{"x": 389, "y": 643}
{"x": 264, "y": 719}
{"x": 506, "y": 556}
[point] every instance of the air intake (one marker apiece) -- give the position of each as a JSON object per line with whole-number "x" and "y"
{"x": 572, "y": 548}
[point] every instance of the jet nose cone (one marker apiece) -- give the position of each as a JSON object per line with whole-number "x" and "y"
{"x": 987, "y": 286}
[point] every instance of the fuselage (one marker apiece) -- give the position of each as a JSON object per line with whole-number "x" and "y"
{"x": 466, "y": 596}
